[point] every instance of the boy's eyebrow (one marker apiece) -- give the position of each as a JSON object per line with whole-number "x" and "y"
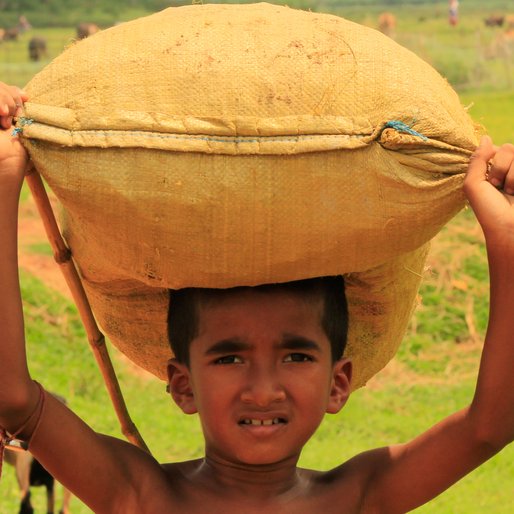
{"x": 289, "y": 342}
{"x": 294, "y": 342}
{"x": 227, "y": 346}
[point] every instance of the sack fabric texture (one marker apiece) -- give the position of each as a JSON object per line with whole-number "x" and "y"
{"x": 224, "y": 145}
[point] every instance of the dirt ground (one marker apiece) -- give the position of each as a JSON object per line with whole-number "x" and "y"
{"x": 31, "y": 234}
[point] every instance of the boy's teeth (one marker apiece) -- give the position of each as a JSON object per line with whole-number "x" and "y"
{"x": 261, "y": 422}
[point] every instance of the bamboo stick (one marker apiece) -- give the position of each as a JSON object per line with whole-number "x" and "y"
{"x": 63, "y": 257}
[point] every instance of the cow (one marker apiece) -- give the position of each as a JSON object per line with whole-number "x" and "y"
{"x": 494, "y": 20}
{"x": 11, "y": 34}
{"x": 85, "y": 30}
{"x": 387, "y": 23}
{"x": 30, "y": 473}
{"x": 37, "y": 48}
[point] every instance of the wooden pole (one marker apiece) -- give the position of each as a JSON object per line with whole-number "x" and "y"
{"x": 63, "y": 257}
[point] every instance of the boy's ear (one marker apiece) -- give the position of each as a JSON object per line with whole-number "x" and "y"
{"x": 179, "y": 380}
{"x": 341, "y": 385}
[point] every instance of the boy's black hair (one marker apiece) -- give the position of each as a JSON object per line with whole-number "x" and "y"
{"x": 184, "y": 308}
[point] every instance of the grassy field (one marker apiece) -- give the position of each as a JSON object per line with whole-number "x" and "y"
{"x": 434, "y": 371}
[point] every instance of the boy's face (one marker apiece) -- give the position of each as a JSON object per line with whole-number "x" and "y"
{"x": 261, "y": 376}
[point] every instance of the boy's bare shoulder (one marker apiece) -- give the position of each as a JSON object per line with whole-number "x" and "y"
{"x": 348, "y": 483}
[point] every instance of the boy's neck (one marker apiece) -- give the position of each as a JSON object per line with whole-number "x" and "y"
{"x": 258, "y": 482}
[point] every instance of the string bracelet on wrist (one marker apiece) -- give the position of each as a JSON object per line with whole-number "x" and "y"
{"x": 11, "y": 441}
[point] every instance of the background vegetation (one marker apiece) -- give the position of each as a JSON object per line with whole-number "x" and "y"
{"x": 434, "y": 371}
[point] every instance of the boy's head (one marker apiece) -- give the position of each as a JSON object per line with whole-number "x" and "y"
{"x": 260, "y": 365}
{"x": 185, "y": 305}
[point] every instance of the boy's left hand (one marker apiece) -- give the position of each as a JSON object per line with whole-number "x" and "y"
{"x": 11, "y": 102}
{"x": 489, "y": 187}
{"x": 13, "y": 158}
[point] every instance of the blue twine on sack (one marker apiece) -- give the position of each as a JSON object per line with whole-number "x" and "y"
{"x": 400, "y": 126}
{"x": 22, "y": 122}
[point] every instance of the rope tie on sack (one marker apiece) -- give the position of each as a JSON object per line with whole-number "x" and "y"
{"x": 20, "y": 125}
{"x": 10, "y": 441}
{"x": 400, "y": 126}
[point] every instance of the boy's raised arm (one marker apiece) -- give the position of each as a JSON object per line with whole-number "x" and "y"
{"x": 98, "y": 469}
{"x": 492, "y": 199}
{"x": 408, "y": 475}
{"x": 17, "y": 392}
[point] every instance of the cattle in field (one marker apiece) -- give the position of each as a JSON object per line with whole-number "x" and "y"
{"x": 387, "y": 23}
{"x": 494, "y": 20}
{"x": 85, "y": 30}
{"x": 11, "y": 34}
{"x": 37, "y": 48}
{"x": 30, "y": 473}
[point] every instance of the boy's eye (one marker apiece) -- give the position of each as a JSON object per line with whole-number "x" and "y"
{"x": 298, "y": 357}
{"x": 229, "y": 359}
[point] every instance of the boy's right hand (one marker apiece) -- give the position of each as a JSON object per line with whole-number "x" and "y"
{"x": 13, "y": 157}
{"x": 489, "y": 187}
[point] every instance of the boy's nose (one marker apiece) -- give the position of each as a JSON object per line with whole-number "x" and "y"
{"x": 263, "y": 388}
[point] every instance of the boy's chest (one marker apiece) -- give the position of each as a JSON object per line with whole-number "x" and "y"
{"x": 222, "y": 502}
{"x": 246, "y": 507}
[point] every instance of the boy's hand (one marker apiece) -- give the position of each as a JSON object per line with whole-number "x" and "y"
{"x": 13, "y": 158}
{"x": 489, "y": 187}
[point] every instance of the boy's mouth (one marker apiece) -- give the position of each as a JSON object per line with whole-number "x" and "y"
{"x": 262, "y": 422}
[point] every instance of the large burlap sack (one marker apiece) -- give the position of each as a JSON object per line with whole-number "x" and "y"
{"x": 223, "y": 145}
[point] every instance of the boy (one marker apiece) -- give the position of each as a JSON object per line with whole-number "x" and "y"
{"x": 261, "y": 373}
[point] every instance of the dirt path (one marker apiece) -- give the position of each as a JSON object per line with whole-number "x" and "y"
{"x": 31, "y": 242}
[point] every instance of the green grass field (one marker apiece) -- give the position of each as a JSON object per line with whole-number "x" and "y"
{"x": 435, "y": 369}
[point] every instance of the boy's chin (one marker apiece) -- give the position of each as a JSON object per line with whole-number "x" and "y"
{"x": 253, "y": 459}
{"x": 266, "y": 459}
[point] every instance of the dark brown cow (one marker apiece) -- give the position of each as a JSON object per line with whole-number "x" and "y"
{"x": 29, "y": 472}
{"x": 37, "y": 48}
{"x": 85, "y": 30}
{"x": 494, "y": 21}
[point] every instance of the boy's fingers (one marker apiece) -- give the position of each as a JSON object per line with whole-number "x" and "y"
{"x": 11, "y": 101}
{"x": 509, "y": 180}
{"x": 478, "y": 164}
{"x": 501, "y": 173}
{"x": 6, "y": 122}
{"x": 17, "y": 92}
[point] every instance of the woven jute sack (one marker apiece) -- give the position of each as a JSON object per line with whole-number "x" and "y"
{"x": 223, "y": 145}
